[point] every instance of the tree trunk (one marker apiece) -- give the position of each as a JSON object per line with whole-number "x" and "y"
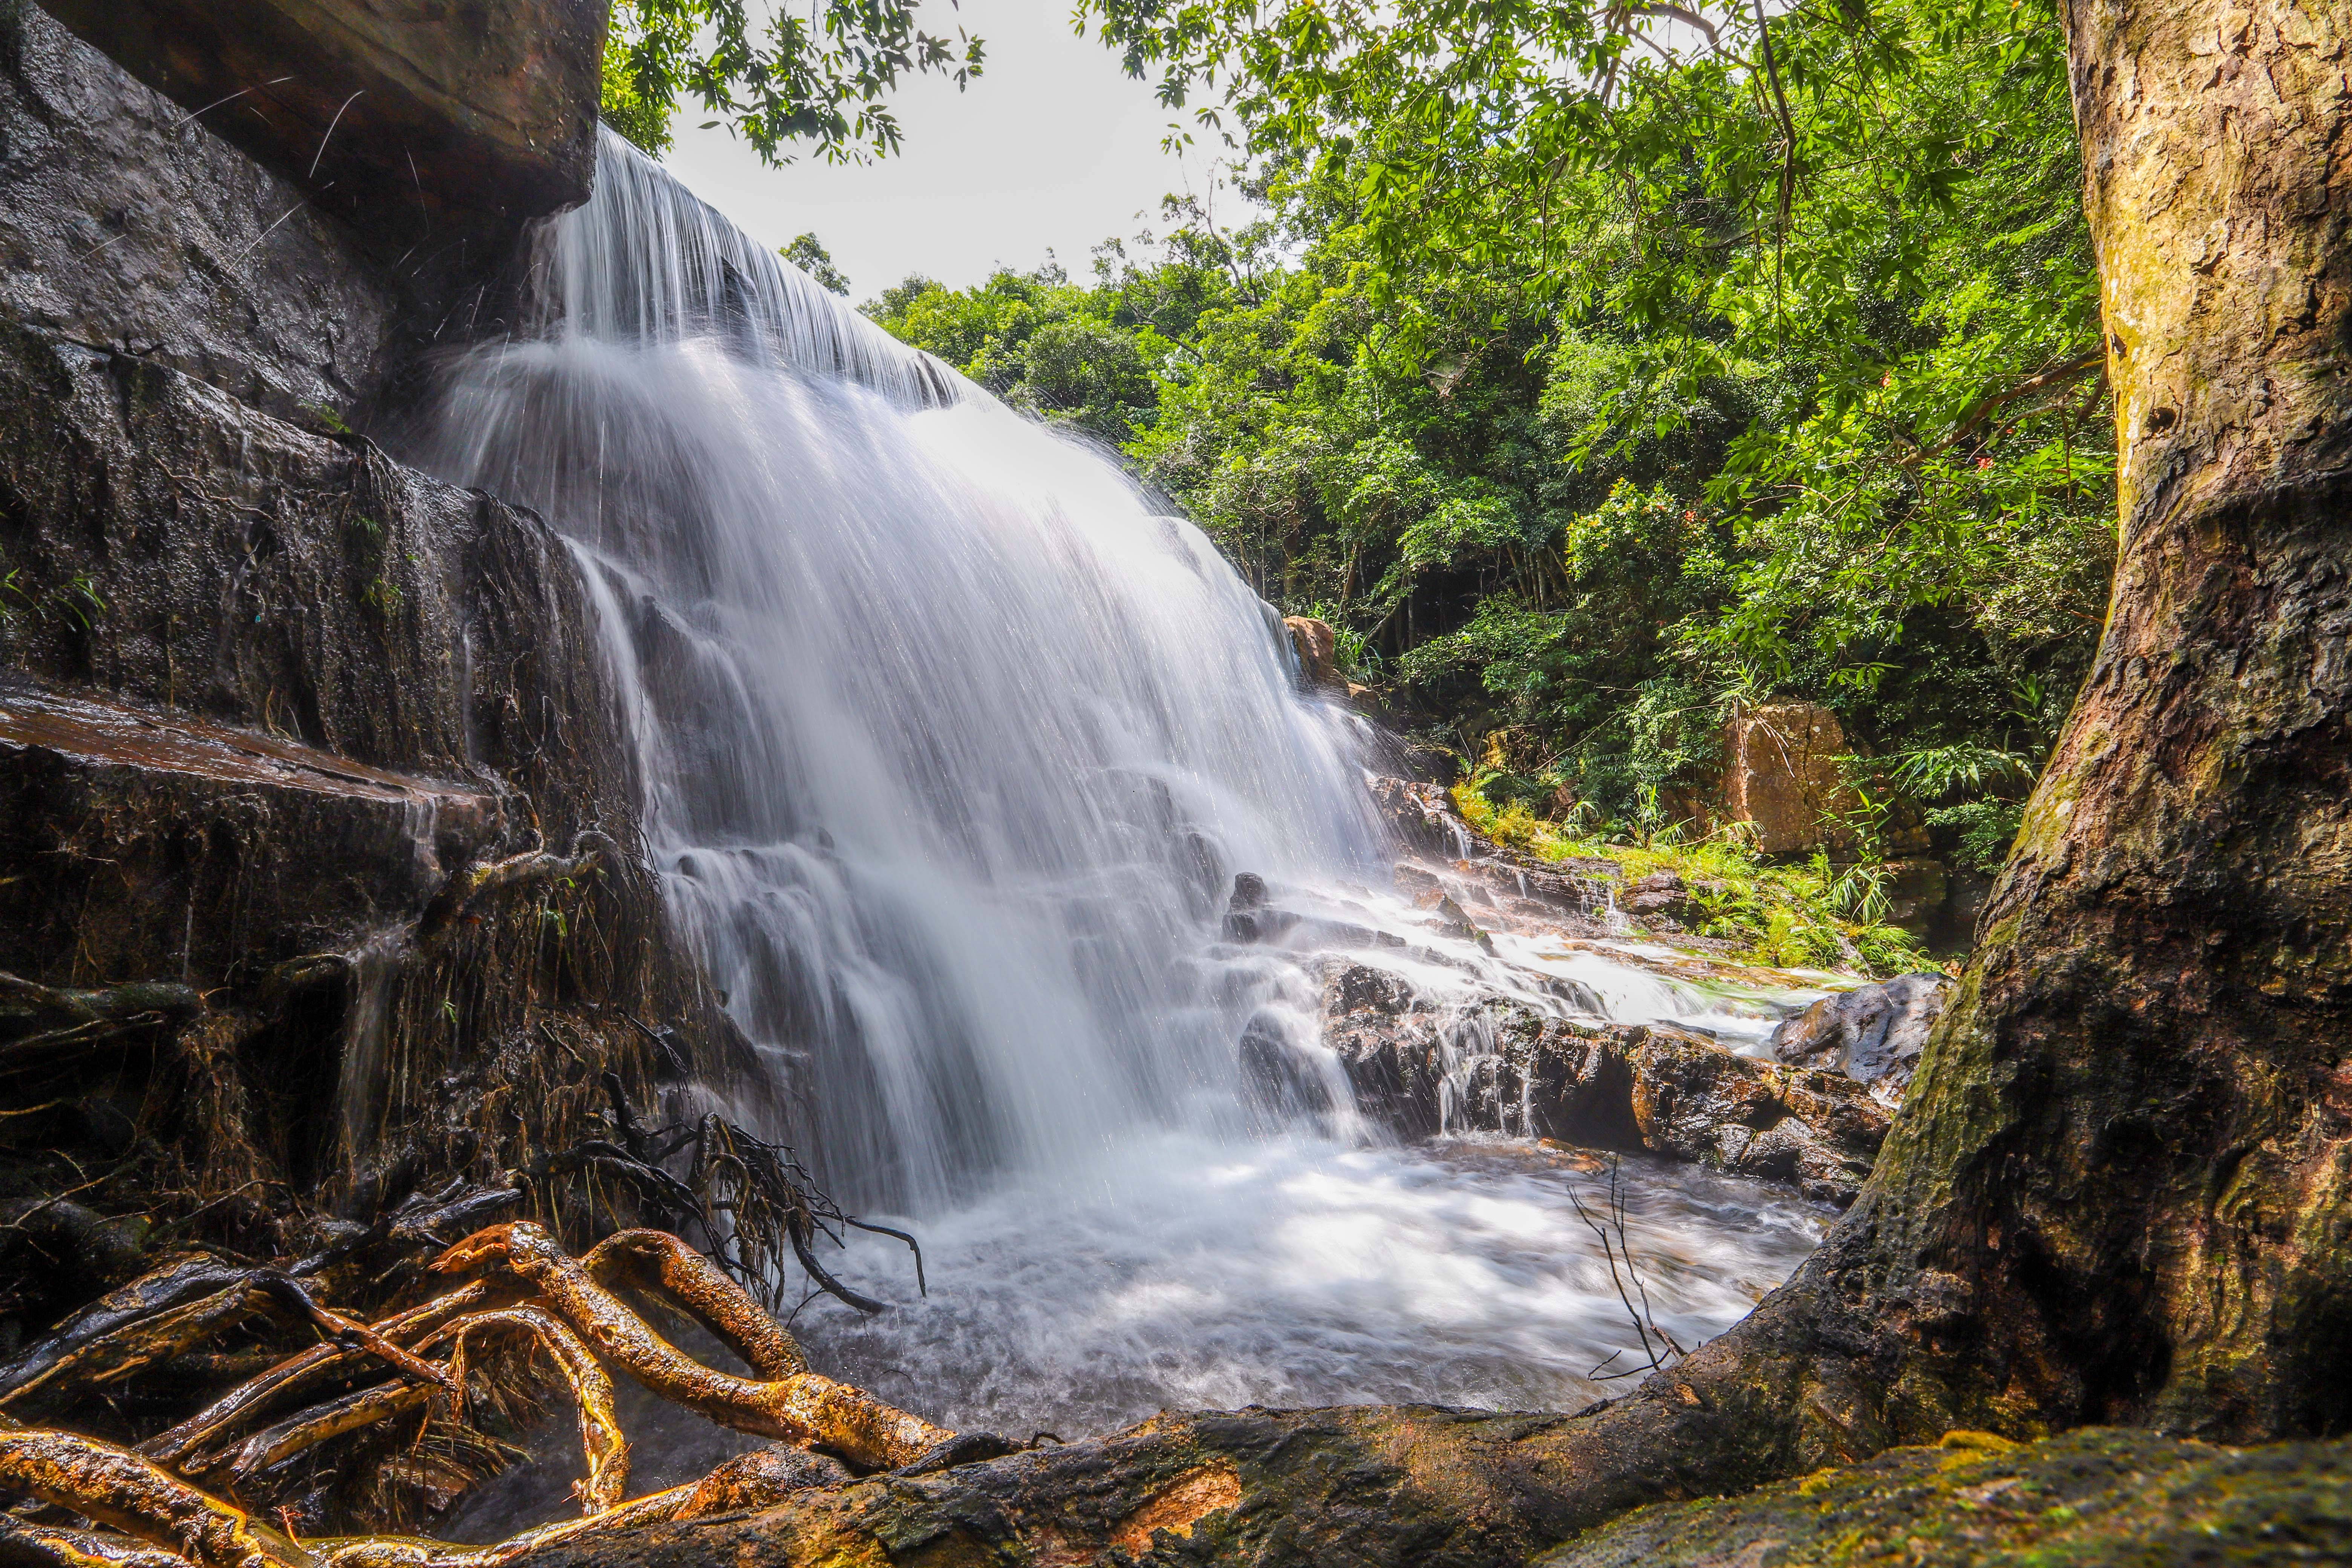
{"x": 2123, "y": 1189}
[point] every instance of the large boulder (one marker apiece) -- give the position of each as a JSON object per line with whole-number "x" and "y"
{"x": 1387, "y": 1038}
{"x": 1781, "y": 776}
{"x": 1874, "y": 1035}
{"x": 1694, "y": 1100}
{"x": 1318, "y": 654}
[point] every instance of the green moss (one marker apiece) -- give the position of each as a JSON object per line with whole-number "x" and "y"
{"x": 2098, "y": 1496}
{"x": 1810, "y": 915}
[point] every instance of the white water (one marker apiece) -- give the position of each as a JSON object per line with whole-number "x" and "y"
{"x": 952, "y": 747}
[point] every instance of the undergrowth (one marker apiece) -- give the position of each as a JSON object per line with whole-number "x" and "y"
{"x": 1806, "y": 914}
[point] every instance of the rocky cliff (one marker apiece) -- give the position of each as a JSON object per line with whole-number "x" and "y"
{"x": 318, "y": 881}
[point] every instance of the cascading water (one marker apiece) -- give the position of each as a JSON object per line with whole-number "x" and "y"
{"x": 951, "y": 746}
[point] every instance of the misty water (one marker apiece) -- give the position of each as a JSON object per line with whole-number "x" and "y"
{"x": 952, "y": 740}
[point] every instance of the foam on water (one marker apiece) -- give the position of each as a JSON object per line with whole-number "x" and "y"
{"x": 953, "y": 742}
{"x": 1193, "y": 1274}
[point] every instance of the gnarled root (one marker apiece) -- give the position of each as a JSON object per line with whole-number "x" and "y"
{"x": 408, "y": 1551}
{"x": 602, "y": 1442}
{"x": 24, "y": 1545}
{"x": 657, "y": 1260}
{"x": 213, "y": 1426}
{"x": 800, "y": 1407}
{"x": 590, "y": 850}
{"x": 147, "y": 1504}
{"x": 131, "y": 1493}
{"x": 573, "y": 1313}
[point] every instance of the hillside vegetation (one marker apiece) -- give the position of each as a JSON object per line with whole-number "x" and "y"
{"x": 1798, "y": 399}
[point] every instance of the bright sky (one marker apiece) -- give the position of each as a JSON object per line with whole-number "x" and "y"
{"x": 1054, "y": 146}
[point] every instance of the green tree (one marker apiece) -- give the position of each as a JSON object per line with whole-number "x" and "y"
{"x": 817, "y": 76}
{"x": 810, "y": 257}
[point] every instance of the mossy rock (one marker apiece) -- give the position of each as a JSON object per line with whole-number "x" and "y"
{"x": 2095, "y": 1496}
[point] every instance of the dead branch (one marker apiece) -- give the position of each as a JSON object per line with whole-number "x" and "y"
{"x": 590, "y": 850}
{"x": 1617, "y": 1250}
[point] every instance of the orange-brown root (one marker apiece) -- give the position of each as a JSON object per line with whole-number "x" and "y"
{"x": 804, "y": 1407}
{"x": 602, "y": 1441}
{"x": 657, "y": 1260}
{"x": 62, "y": 1548}
{"x": 131, "y": 1493}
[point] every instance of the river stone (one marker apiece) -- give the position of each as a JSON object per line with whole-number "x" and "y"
{"x": 1874, "y": 1035}
{"x": 1694, "y": 1100}
{"x": 1634, "y": 1087}
{"x": 1277, "y": 1080}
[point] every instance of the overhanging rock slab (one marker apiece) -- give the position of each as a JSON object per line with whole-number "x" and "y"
{"x": 418, "y": 121}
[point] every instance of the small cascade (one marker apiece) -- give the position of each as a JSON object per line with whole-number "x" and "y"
{"x": 359, "y": 1079}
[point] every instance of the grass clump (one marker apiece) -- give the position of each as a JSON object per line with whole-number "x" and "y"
{"x": 1807, "y": 914}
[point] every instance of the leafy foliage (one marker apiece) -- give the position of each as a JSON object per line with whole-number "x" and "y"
{"x": 1809, "y": 915}
{"x": 1594, "y": 369}
{"x": 818, "y": 75}
{"x": 810, "y": 257}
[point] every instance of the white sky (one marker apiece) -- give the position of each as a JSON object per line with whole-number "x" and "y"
{"x": 1053, "y": 146}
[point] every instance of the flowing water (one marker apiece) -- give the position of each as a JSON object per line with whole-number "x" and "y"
{"x": 953, "y": 742}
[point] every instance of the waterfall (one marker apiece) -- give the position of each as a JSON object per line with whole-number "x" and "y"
{"x": 951, "y": 739}
{"x": 952, "y": 743}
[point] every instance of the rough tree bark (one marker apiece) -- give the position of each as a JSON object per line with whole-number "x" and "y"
{"x": 2123, "y": 1189}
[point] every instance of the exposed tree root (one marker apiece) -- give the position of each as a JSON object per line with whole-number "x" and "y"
{"x": 602, "y": 1443}
{"x": 419, "y": 1363}
{"x": 802, "y": 1407}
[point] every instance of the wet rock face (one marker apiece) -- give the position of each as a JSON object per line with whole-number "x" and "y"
{"x": 420, "y": 122}
{"x": 1694, "y": 1100}
{"x": 1873, "y": 1034}
{"x": 1418, "y": 1068}
{"x": 173, "y": 545}
{"x": 268, "y": 697}
{"x": 1457, "y": 865}
{"x": 1421, "y": 817}
{"x": 141, "y": 842}
{"x": 1661, "y": 900}
{"x": 127, "y": 227}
